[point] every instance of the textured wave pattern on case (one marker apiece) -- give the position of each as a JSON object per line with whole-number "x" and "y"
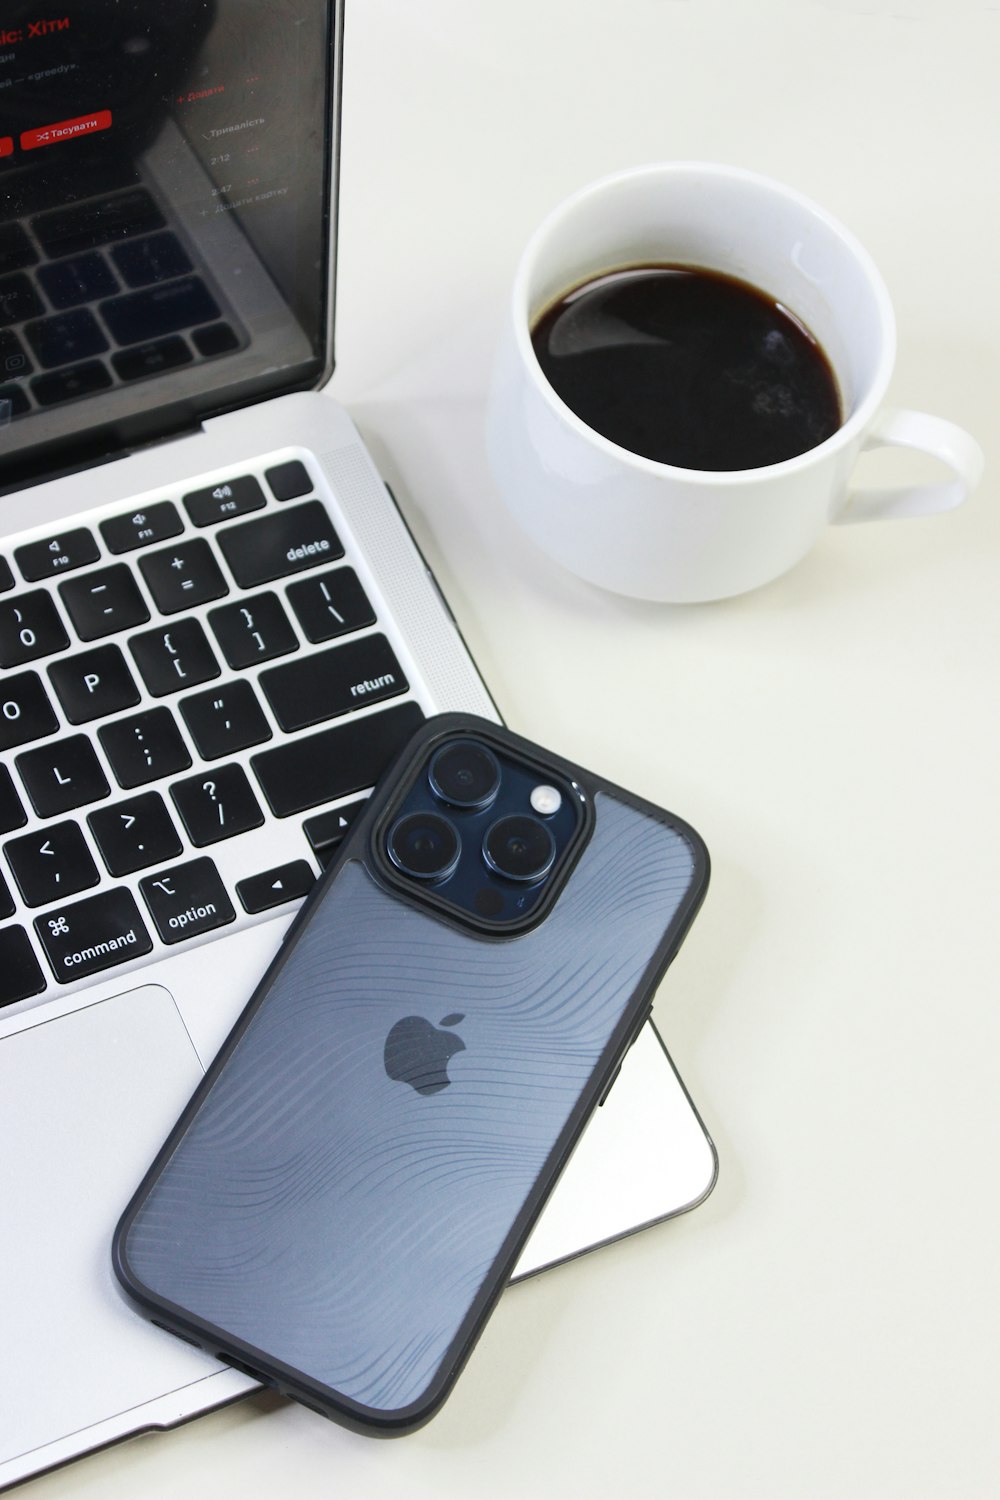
{"x": 338, "y": 1219}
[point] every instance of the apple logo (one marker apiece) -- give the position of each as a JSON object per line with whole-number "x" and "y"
{"x": 418, "y": 1053}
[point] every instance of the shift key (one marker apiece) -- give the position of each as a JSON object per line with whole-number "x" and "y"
{"x": 277, "y": 545}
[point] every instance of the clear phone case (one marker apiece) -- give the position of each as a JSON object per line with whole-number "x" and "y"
{"x": 341, "y": 1227}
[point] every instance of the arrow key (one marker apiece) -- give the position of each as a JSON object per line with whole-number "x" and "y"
{"x": 274, "y": 887}
{"x": 327, "y": 831}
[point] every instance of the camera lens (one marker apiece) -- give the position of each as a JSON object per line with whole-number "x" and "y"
{"x": 519, "y": 847}
{"x": 424, "y": 845}
{"x": 465, "y": 774}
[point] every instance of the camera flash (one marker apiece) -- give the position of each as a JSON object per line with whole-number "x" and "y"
{"x": 546, "y": 800}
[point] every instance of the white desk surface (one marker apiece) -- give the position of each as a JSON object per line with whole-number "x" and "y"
{"x": 826, "y": 1325}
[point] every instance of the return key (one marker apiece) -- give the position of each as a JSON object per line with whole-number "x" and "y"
{"x": 333, "y": 682}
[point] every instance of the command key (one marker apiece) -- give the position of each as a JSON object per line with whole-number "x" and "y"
{"x": 84, "y": 937}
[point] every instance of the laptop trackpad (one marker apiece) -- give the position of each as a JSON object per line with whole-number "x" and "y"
{"x": 121, "y": 1071}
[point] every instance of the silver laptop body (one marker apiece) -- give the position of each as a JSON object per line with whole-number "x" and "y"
{"x": 215, "y": 629}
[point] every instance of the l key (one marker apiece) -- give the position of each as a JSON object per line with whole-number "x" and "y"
{"x": 62, "y": 775}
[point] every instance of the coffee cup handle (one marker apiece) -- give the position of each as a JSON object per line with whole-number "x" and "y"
{"x": 933, "y": 435}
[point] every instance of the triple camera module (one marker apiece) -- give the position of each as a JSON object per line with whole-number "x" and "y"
{"x": 483, "y": 833}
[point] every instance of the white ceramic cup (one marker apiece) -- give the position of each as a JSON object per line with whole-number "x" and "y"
{"x": 655, "y": 531}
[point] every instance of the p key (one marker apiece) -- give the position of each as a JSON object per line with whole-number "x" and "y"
{"x": 93, "y": 684}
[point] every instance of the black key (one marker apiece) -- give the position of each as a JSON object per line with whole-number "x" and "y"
{"x": 176, "y": 658}
{"x": 6, "y": 576}
{"x": 14, "y": 363}
{"x": 92, "y": 935}
{"x": 288, "y": 481}
{"x": 103, "y": 602}
{"x": 137, "y": 317}
{"x": 225, "y": 719}
{"x": 25, "y": 711}
{"x": 152, "y": 358}
{"x": 29, "y": 627}
{"x": 273, "y": 887}
{"x": 222, "y": 501}
{"x": 256, "y": 630}
{"x": 187, "y": 900}
{"x": 13, "y": 401}
{"x": 69, "y": 385}
{"x": 6, "y": 900}
{"x": 94, "y": 684}
{"x": 66, "y": 338}
{"x": 84, "y": 226}
{"x": 20, "y": 973}
{"x": 135, "y": 834}
{"x": 335, "y": 762}
{"x": 327, "y": 831}
{"x": 12, "y": 814}
{"x": 218, "y": 338}
{"x": 330, "y": 604}
{"x": 153, "y": 523}
{"x": 62, "y": 775}
{"x": 182, "y": 576}
{"x": 51, "y": 862}
{"x": 18, "y": 300}
{"x": 216, "y": 805}
{"x": 333, "y": 682}
{"x": 67, "y": 179}
{"x": 57, "y": 554}
{"x": 144, "y": 747}
{"x": 83, "y": 278}
{"x": 143, "y": 262}
{"x": 16, "y": 250}
{"x": 274, "y": 546}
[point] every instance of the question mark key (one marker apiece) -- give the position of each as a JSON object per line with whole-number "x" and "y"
{"x": 217, "y": 806}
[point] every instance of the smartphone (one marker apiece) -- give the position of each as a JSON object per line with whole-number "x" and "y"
{"x": 340, "y": 1206}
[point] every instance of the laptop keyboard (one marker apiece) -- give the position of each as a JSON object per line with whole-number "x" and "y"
{"x": 195, "y": 699}
{"x": 97, "y": 293}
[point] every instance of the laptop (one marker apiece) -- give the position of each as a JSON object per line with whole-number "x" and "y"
{"x": 215, "y": 631}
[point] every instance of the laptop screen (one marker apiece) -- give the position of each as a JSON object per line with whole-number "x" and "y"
{"x": 166, "y": 218}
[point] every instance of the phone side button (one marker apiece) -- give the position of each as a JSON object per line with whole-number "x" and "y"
{"x": 647, "y": 1012}
{"x": 614, "y": 1079}
{"x": 274, "y": 887}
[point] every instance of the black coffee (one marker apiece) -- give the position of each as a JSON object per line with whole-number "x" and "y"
{"x": 689, "y": 367}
